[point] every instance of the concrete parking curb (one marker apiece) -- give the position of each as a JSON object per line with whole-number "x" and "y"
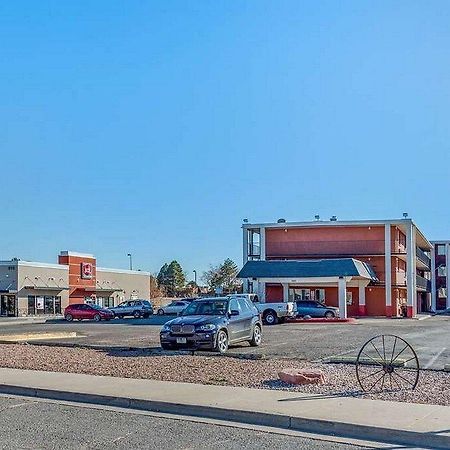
{"x": 288, "y": 422}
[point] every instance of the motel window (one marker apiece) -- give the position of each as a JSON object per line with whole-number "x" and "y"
{"x": 349, "y": 298}
{"x": 442, "y": 271}
{"x": 441, "y": 250}
{"x": 299, "y": 294}
{"x": 319, "y": 295}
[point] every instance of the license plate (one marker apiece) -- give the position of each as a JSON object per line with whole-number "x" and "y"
{"x": 181, "y": 340}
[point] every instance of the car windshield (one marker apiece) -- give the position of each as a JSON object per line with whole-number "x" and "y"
{"x": 96, "y": 307}
{"x": 207, "y": 307}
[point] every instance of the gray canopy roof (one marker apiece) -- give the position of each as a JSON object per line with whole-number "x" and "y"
{"x": 311, "y": 268}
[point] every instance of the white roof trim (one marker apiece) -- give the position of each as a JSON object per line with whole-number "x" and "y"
{"x": 327, "y": 223}
{"x": 82, "y": 255}
{"x": 129, "y": 272}
{"x": 34, "y": 264}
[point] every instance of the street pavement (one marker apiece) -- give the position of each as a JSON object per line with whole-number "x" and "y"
{"x": 35, "y": 424}
{"x": 430, "y": 337}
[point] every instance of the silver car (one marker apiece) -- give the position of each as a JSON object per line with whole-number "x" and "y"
{"x": 133, "y": 308}
{"x": 173, "y": 308}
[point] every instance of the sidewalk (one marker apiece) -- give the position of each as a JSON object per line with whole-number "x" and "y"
{"x": 5, "y": 321}
{"x": 397, "y": 423}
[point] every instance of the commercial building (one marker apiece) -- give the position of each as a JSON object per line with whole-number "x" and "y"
{"x": 441, "y": 278}
{"x": 34, "y": 288}
{"x": 379, "y": 268}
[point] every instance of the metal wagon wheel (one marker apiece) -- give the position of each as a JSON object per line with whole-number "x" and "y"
{"x": 387, "y": 362}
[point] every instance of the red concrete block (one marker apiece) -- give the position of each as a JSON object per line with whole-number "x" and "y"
{"x": 297, "y": 376}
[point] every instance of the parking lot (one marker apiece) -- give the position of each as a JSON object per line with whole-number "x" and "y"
{"x": 430, "y": 337}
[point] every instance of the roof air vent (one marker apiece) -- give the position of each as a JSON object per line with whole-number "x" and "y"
{"x": 333, "y": 218}
{"x": 281, "y": 221}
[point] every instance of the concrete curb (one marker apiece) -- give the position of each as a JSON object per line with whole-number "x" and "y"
{"x": 318, "y": 426}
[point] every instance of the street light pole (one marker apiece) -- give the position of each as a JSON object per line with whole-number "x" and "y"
{"x": 195, "y": 277}
{"x": 131, "y": 261}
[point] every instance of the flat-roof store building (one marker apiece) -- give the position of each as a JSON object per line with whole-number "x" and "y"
{"x": 34, "y": 288}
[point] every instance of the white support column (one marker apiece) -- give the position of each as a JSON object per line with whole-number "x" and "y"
{"x": 262, "y": 243}
{"x": 362, "y": 298}
{"x": 342, "y": 295}
{"x": 388, "y": 268}
{"x": 447, "y": 259}
{"x": 433, "y": 279}
{"x": 245, "y": 245}
{"x": 285, "y": 292}
{"x": 411, "y": 270}
{"x": 256, "y": 287}
{"x": 262, "y": 291}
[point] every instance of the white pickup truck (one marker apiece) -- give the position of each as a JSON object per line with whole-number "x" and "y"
{"x": 271, "y": 313}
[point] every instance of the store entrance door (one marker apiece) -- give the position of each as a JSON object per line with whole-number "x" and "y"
{"x": 7, "y": 305}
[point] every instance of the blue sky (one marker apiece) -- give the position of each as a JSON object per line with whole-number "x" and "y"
{"x": 155, "y": 127}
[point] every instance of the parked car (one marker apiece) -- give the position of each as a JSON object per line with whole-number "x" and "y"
{"x": 316, "y": 309}
{"x": 271, "y": 312}
{"x": 443, "y": 312}
{"x": 213, "y": 323}
{"x": 81, "y": 311}
{"x": 173, "y": 308}
{"x": 133, "y": 308}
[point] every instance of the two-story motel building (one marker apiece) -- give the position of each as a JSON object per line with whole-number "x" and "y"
{"x": 366, "y": 267}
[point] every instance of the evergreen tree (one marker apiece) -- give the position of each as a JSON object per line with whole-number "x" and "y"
{"x": 175, "y": 278}
{"x": 162, "y": 277}
{"x": 228, "y": 271}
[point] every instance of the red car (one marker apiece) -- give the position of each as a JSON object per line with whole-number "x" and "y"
{"x": 91, "y": 312}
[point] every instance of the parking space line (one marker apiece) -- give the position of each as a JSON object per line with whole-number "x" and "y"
{"x": 434, "y": 358}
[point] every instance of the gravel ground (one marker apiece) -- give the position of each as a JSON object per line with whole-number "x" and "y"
{"x": 433, "y": 387}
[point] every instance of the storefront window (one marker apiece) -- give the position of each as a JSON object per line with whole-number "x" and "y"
{"x": 109, "y": 302}
{"x": 49, "y": 307}
{"x": 58, "y": 305}
{"x": 31, "y": 305}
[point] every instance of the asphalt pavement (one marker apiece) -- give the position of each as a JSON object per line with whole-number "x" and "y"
{"x": 38, "y": 424}
{"x": 430, "y": 337}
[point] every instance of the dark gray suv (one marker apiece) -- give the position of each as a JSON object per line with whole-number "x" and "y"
{"x": 213, "y": 323}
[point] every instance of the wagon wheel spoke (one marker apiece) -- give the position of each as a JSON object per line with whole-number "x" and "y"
{"x": 393, "y": 349}
{"x": 399, "y": 353}
{"x": 373, "y": 359}
{"x": 372, "y": 374}
{"x": 377, "y": 351}
{"x": 374, "y": 384}
{"x": 403, "y": 378}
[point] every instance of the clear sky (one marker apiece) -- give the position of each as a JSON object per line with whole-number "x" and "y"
{"x": 155, "y": 127}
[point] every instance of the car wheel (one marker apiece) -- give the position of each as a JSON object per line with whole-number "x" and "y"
{"x": 329, "y": 315}
{"x": 257, "y": 336}
{"x": 160, "y": 312}
{"x": 79, "y": 320}
{"x": 137, "y": 314}
{"x": 97, "y": 318}
{"x": 69, "y": 317}
{"x": 146, "y": 316}
{"x": 222, "y": 342}
{"x": 270, "y": 317}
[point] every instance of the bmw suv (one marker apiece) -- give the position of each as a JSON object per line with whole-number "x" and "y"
{"x": 213, "y": 323}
